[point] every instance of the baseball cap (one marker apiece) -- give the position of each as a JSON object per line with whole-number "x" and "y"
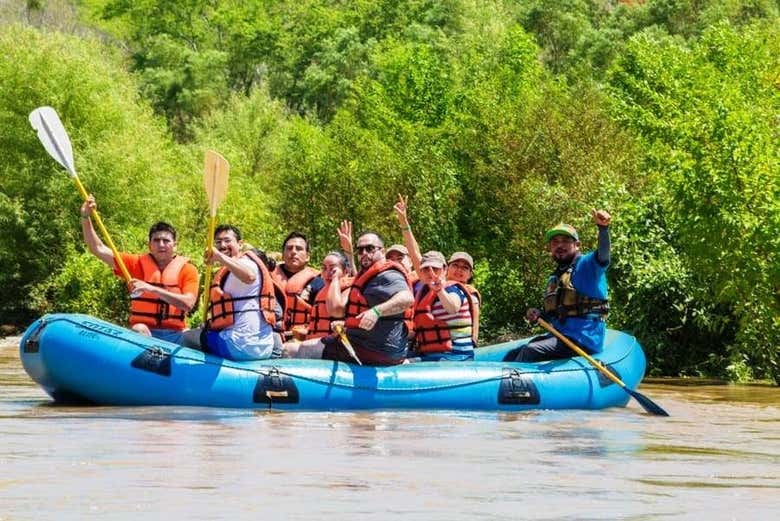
{"x": 434, "y": 259}
{"x": 462, "y": 255}
{"x": 400, "y": 248}
{"x": 561, "y": 229}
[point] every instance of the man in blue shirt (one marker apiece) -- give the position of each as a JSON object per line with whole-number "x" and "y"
{"x": 575, "y": 300}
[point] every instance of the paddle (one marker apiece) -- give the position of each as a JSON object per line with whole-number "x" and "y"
{"x": 341, "y": 332}
{"x": 54, "y": 138}
{"x": 644, "y": 401}
{"x": 215, "y": 181}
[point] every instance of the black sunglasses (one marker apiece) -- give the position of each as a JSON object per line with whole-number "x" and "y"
{"x": 370, "y": 248}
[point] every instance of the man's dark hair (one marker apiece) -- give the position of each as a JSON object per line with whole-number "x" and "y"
{"x": 228, "y": 228}
{"x": 296, "y": 235}
{"x": 162, "y": 226}
{"x": 370, "y": 232}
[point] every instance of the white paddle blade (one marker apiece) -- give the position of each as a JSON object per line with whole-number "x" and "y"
{"x": 215, "y": 179}
{"x": 53, "y": 136}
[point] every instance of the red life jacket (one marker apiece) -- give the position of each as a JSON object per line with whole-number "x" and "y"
{"x": 431, "y": 334}
{"x": 221, "y": 312}
{"x": 297, "y": 309}
{"x": 148, "y": 308}
{"x": 319, "y": 324}
{"x": 356, "y": 301}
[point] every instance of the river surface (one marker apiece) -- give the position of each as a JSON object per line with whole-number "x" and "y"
{"x": 717, "y": 457}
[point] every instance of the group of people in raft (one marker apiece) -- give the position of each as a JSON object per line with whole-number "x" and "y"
{"x": 393, "y": 306}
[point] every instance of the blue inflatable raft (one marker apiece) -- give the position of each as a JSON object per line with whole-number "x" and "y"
{"x": 81, "y": 359}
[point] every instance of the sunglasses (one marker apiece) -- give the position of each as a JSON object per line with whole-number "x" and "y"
{"x": 369, "y": 248}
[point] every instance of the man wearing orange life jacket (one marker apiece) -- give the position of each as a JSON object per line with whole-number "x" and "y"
{"x": 378, "y": 311}
{"x": 443, "y": 314}
{"x": 164, "y": 285}
{"x": 299, "y": 281}
{"x": 329, "y": 304}
{"x": 242, "y": 304}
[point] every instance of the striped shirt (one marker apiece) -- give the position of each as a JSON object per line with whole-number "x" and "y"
{"x": 458, "y": 322}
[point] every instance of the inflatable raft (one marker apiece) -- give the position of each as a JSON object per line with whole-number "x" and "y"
{"x": 81, "y": 359}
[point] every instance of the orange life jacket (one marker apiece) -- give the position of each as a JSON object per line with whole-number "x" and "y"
{"x": 148, "y": 308}
{"x": 297, "y": 309}
{"x": 320, "y": 321}
{"x": 221, "y": 313}
{"x": 431, "y": 334}
{"x": 356, "y": 301}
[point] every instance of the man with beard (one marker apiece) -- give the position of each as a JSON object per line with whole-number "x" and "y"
{"x": 378, "y": 311}
{"x": 575, "y": 301}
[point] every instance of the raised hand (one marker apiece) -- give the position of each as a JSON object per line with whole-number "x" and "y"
{"x": 400, "y": 210}
{"x": 345, "y": 236}
{"x": 601, "y": 217}
{"x": 89, "y": 206}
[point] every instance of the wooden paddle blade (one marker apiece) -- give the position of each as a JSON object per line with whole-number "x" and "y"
{"x": 646, "y": 403}
{"x": 53, "y": 136}
{"x": 215, "y": 179}
{"x": 342, "y": 333}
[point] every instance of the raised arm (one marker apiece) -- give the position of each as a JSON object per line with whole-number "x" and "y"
{"x": 91, "y": 239}
{"x": 241, "y": 270}
{"x": 345, "y": 241}
{"x": 409, "y": 241}
{"x": 602, "y": 220}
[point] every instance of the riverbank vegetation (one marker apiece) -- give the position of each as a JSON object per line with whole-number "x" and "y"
{"x": 497, "y": 118}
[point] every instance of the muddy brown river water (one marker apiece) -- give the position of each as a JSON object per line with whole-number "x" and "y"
{"x": 717, "y": 457}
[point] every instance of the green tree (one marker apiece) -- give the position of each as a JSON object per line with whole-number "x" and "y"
{"x": 122, "y": 153}
{"x": 706, "y": 113}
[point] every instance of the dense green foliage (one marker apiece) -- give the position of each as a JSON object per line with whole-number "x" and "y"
{"x": 497, "y": 118}
{"x": 108, "y": 127}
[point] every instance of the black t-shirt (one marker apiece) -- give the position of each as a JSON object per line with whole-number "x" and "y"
{"x": 389, "y": 335}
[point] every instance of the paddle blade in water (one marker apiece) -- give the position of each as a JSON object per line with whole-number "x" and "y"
{"x": 215, "y": 179}
{"x": 53, "y": 136}
{"x": 646, "y": 403}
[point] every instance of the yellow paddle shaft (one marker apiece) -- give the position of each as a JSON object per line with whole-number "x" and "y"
{"x": 207, "y": 276}
{"x": 104, "y": 232}
{"x": 577, "y": 349}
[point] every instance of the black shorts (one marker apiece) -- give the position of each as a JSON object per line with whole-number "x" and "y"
{"x": 335, "y": 350}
